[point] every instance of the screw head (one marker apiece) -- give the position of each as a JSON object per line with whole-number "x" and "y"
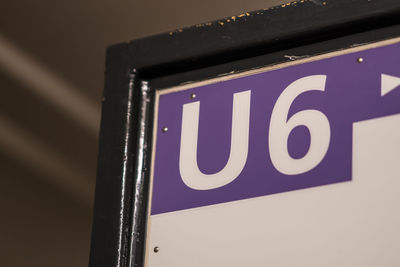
{"x": 156, "y": 249}
{"x": 192, "y": 96}
{"x": 164, "y": 130}
{"x": 360, "y": 60}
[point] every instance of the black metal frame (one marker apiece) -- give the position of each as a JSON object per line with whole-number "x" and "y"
{"x": 135, "y": 70}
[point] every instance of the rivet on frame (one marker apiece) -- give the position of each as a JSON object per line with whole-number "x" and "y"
{"x": 156, "y": 249}
{"x": 193, "y": 96}
{"x": 164, "y": 130}
{"x": 360, "y": 60}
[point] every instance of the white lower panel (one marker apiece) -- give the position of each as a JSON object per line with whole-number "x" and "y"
{"x": 353, "y": 223}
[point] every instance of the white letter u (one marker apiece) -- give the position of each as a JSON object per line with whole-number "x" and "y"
{"x": 190, "y": 173}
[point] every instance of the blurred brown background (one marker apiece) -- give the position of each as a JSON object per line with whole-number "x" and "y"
{"x": 52, "y": 56}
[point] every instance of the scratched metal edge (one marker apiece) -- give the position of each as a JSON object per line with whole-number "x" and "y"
{"x": 141, "y": 179}
{"x": 111, "y": 216}
{"x": 301, "y": 60}
{"x": 275, "y": 58}
{"x": 300, "y": 22}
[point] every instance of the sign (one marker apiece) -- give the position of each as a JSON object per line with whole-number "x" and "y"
{"x": 295, "y": 164}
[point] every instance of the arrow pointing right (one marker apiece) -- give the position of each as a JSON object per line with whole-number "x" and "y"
{"x": 389, "y": 83}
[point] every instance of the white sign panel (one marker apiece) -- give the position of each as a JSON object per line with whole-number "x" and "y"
{"x": 294, "y": 165}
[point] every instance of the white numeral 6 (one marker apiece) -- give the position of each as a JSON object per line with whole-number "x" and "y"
{"x": 280, "y": 128}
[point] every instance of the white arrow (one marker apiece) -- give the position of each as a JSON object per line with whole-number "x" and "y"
{"x": 389, "y": 83}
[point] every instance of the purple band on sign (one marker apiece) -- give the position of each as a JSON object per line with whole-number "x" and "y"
{"x": 352, "y": 92}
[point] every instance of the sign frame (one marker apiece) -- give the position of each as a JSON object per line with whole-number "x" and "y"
{"x": 136, "y": 70}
